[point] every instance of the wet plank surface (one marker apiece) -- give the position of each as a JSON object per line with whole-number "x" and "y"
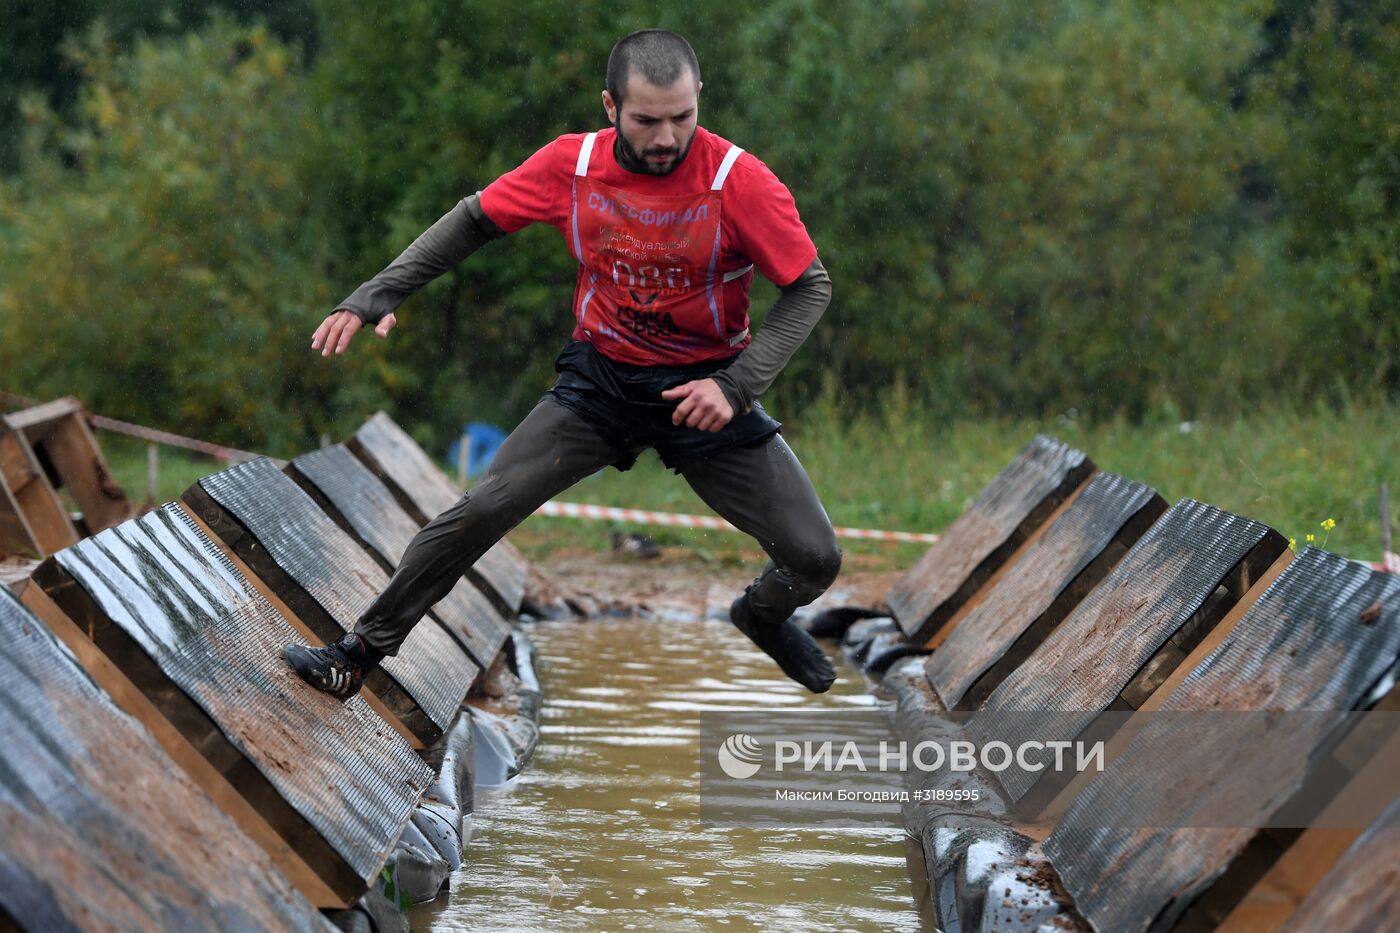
{"x": 341, "y": 580}
{"x": 373, "y": 515}
{"x": 1302, "y": 646}
{"x": 1153, "y": 592}
{"x": 172, "y": 593}
{"x": 102, "y": 829}
{"x": 1037, "y": 593}
{"x": 1362, "y": 892}
{"x": 1008, "y": 509}
{"x": 427, "y": 492}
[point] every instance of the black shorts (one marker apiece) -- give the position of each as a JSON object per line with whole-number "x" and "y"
{"x": 623, "y": 403}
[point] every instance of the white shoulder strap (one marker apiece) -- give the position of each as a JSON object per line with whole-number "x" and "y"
{"x": 730, "y": 158}
{"x": 585, "y": 153}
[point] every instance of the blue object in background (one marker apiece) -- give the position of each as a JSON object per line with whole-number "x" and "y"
{"x": 483, "y": 440}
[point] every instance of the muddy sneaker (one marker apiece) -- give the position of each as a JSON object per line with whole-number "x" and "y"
{"x": 785, "y": 642}
{"x": 337, "y": 669}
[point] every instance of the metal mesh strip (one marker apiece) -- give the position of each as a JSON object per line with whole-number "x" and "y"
{"x": 338, "y": 574}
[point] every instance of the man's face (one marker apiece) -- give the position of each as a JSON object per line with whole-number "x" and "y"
{"x": 656, "y": 124}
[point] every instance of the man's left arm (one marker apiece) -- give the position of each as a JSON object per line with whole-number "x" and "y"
{"x": 798, "y": 308}
{"x": 738, "y": 386}
{"x": 771, "y": 234}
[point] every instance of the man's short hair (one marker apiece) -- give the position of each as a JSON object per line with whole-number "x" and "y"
{"x": 659, "y": 55}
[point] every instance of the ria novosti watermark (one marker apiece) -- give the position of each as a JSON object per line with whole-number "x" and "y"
{"x": 740, "y": 756}
{"x": 1120, "y": 769}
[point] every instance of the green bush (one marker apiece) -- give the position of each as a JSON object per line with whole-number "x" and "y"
{"x": 160, "y": 251}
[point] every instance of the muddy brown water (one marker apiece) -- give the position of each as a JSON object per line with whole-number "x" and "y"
{"x": 602, "y": 832}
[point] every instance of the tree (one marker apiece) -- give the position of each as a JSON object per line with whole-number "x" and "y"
{"x": 160, "y": 252}
{"x": 1338, "y": 171}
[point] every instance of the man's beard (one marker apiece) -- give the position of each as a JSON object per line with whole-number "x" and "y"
{"x": 635, "y": 161}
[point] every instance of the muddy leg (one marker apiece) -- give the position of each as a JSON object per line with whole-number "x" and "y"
{"x": 551, "y": 450}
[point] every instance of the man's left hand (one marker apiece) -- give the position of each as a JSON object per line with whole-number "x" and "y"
{"x": 702, "y": 405}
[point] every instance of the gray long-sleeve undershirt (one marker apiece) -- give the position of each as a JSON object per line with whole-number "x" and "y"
{"x": 466, "y": 228}
{"x": 457, "y": 234}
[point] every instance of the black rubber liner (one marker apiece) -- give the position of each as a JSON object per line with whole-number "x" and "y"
{"x": 426, "y": 492}
{"x": 1049, "y": 580}
{"x": 355, "y": 498}
{"x": 101, "y": 828}
{"x": 1302, "y": 646}
{"x": 329, "y": 582}
{"x": 979, "y": 871}
{"x": 1007, "y": 511}
{"x": 1156, "y": 605}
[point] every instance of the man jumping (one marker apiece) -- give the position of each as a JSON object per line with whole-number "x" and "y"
{"x": 668, "y": 223}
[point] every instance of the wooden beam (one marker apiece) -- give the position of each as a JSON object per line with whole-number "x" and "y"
{"x": 16, "y": 537}
{"x": 37, "y": 420}
{"x": 77, "y": 458}
{"x": 48, "y": 520}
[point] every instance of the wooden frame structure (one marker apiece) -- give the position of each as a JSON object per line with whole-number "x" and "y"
{"x": 43, "y": 449}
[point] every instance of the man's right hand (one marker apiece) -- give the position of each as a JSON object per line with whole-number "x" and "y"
{"x": 340, "y": 325}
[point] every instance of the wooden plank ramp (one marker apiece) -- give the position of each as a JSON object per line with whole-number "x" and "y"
{"x": 1016, "y": 503}
{"x": 426, "y": 492}
{"x": 1039, "y": 590}
{"x": 102, "y": 829}
{"x": 328, "y": 581}
{"x": 363, "y": 506}
{"x": 1176, "y": 830}
{"x": 1127, "y": 636}
{"x": 162, "y": 616}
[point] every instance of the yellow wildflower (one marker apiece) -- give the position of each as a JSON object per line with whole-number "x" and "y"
{"x": 1329, "y": 524}
{"x": 1293, "y": 544}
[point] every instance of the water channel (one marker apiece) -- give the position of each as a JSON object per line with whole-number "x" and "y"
{"x": 602, "y": 832}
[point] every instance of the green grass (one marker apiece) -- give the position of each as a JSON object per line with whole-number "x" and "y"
{"x": 1290, "y": 469}
{"x": 126, "y": 457}
{"x": 901, "y": 470}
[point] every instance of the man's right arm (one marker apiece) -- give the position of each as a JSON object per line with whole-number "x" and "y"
{"x": 457, "y": 234}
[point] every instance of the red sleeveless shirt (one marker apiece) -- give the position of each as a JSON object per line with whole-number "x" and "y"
{"x": 665, "y": 262}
